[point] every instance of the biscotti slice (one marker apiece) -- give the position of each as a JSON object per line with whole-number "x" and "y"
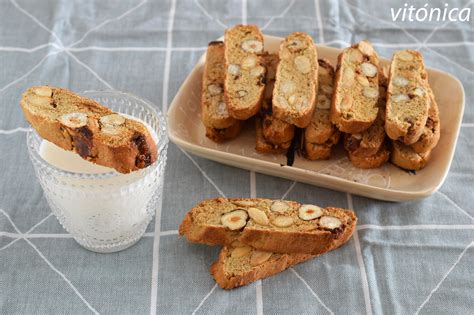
{"x": 408, "y": 100}
{"x": 275, "y": 131}
{"x": 82, "y": 125}
{"x": 215, "y": 113}
{"x": 244, "y": 79}
{"x": 240, "y": 264}
{"x": 354, "y": 103}
{"x": 224, "y": 134}
{"x": 372, "y": 161}
{"x": 296, "y": 82}
{"x": 431, "y": 133}
{"x": 268, "y": 225}
{"x": 263, "y": 146}
{"x": 405, "y": 157}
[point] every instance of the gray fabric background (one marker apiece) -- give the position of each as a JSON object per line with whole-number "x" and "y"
{"x": 404, "y": 257}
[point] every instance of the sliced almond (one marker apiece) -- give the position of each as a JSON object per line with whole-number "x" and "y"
{"x": 346, "y": 103}
{"x": 309, "y": 212}
{"x": 259, "y": 257}
{"x": 366, "y": 48}
{"x": 323, "y": 102}
{"x": 405, "y": 55}
{"x": 363, "y": 80}
{"x": 241, "y": 251}
{"x": 235, "y": 220}
{"x": 287, "y": 87}
{"x": 302, "y": 64}
{"x": 242, "y": 93}
{"x": 252, "y": 46}
{"x": 327, "y": 89}
{"x": 329, "y": 222}
{"x": 280, "y": 206}
{"x": 233, "y": 69}
{"x": 222, "y": 110}
{"x": 370, "y": 92}
{"x": 112, "y": 120}
{"x": 348, "y": 77}
{"x": 74, "y": 120}
{"x": 249, "y": 62}
{"x": 354, "y": 55}
{"x": 244, "y": 203}
{"x": 400, "y": 98}
{"x": 283, "y": 221}
{"x": 35, "y": 99}
{"x": 43, "y": 91}
{"x": 368, "y": 69}
{"x": 400, "y": 81}
{"x": 257, "y": 71}
{"x": 214, "y": 89}
{"x": 259, "y": 216}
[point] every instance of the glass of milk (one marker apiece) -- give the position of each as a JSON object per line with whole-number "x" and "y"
{"x": 104, "y": 211}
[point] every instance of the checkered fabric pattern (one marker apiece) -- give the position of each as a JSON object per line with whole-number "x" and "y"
{"x": 410, "y": 257}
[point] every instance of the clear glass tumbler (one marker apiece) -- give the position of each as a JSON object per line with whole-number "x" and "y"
{"x": 106, "y": 212}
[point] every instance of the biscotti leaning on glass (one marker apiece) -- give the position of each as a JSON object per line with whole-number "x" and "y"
{"x": 84, "y": 126}
{"x": 262, "y": 237}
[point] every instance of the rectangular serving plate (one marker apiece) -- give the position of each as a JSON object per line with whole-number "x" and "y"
{"x": 385, "y": 183}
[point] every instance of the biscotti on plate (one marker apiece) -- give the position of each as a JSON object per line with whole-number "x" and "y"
{"x": 264, "y": 146}
{"x": 82, "y": 125}
{"x": 224, "y": 134}
{"x": 321, "y": 135}
{"x": 408, "y": 100}
{"x": 244, "y": 79}
{"x": 215, "y": 113}
{"x": 431, "y": 132}
{"x": 405, "y": 157}
{"x": 354, "y": 104}
{"x": 274, "y": 130}
{"x": 296, "y": 82}
{"x": 268, "y": 225}
{"x": 372, "y": 161}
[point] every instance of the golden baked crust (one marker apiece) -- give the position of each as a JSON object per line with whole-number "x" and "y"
{"x": 405, "y": 157}
{"x": 231, "y": 272}
{"x": 203, "y": 224}
{"x": 371, "y": 161}
{"x": 354, "y": 103}
{"x": 244, "y": 79}
{"x": 315, "y": 151}
{"x": 431, "y": 133}
{"x": 225, "y": 134}
{"x": 264, "y": 146}
{"x": 82, "y": 125}
{"x": 214, "y": 111}
{"x": 296, "y": 80}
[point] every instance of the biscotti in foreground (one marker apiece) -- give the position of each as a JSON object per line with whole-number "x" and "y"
{"x": 82, "y": 125}
{"x": 214, "y": 111}
{"x": 244, "y": 79}
{"x": 354, "y": 104}
{"x": 224, "y": 134}
{"x": 408, "y": 100}
{"x": 431, "y": 132}
{"x": 268, "y": 225}
{"x": 296, "y": 80}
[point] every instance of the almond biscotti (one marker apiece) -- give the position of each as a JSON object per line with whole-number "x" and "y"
{"x": 240, "y": 264}
{"x": 82, "y": 125}
{"x": 269, "y": 225}
{"x": 264, "y": 146}
{"x": 244, "y": 79}
{"x": 408, "y": 100}
{"x": 214, "y": 110}
{"x": 405, "y": 157}
{"x": 431, "y": 132}
{"x": 321, "y": 135}
{"x": 354, "y": 104}
{"x": 296, "y": 82}
{"x": 372, "y": 161}
{"x": 224, "y": 134}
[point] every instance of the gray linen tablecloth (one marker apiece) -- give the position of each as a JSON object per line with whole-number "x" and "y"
{"x": 404, "y": 257}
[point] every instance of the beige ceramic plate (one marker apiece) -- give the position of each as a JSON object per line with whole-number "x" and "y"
{"x": 387, "y": 182}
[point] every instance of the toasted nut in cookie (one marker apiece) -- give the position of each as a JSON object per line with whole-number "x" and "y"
{"x": 235, "y": 220}
{"x": 258, "y": 257}
{"x": 279, "y": 206}
{"x": 35, "y": 99}
{"x": 346, "y": 103}
{"x": 362, "y": 80}
{"x": 400, "y": 98}
{"x": 400, "y": 81}
{"x": 259, "y": 216}
{"x": 249, "y": 62}
{"x": 242, "y": 93}
{"x": 309, "y": 212}
{"x": 241, "y": 251}
{"x": 370, "y": 92}
{"x": 222, "y": 110}
{"x": 233, "y": 69}
{"x": 303, "y": 64}
{"x": 366, "y": 48}
{"x": 287, "y": 87}
{"x": 244, "y": 203}
{"x": 405, "y": 56}
{"x": 348, "y": 77}
{"x": 257, "y": 71}
{"x": 418, "y": 91}
{"x": 330, "y": 222}
{"x": 252, "y": 46}
{"x": 214, "y": 89}
{"x": 43, "y": 91}
{"x": 283, "y": 221}
{"x": 368, "y": 69}
{"x": 74, "y": 120}
{"x": 112, "y": 120}
{"x": 355, "y": 55}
